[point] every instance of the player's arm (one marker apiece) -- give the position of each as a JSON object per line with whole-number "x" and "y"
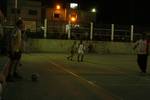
{"x": 135, "y": 45}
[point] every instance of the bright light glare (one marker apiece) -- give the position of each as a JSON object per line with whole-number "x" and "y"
{"x": 73, "y": 5}
{"x": 58, "y": 7}
{"x": 93, "y": 10}
{"x": 73, "y": 19}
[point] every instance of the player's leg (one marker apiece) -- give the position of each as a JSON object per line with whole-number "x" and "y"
{"x": 78, "y": 58}
{"x": 10, "y": 67}
{"x": 71, "y": 56}
{"x": 140, "y": 61}
{"x": 82, "y": 56}
{"x": 144, "y": 63}
{"x": 17, "y": 61}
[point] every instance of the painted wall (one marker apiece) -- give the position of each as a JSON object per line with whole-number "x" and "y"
{"x": 63, "y": 46}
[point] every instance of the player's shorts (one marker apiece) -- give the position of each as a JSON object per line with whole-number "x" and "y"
{"x": 80, "y": 52}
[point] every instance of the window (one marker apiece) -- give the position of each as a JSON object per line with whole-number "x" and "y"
{"x": 32, "y": 12}
{"x": 13, "y": 11}
{"x": 56, "y": 15}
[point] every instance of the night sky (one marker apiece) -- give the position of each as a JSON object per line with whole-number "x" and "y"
{"x": 111, "y": 11}
{"x": 116, "y": 11}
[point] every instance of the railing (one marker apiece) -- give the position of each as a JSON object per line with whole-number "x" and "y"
{"x": 101, "y": 33}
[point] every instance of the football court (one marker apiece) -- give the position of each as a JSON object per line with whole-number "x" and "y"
{"x": 98, "y": 77}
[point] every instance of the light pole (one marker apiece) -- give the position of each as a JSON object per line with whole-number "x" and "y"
{"x": 112, "y": 32}
{"x": 16, "y": 7}
{"x": 91, "y": 31}
{"x": 16, "y": 4}
{"x": 132, "y": 33}
{"x": 93, "y": 11}
{"x": 45, "y": 27}
{"x": 69, "y": 30}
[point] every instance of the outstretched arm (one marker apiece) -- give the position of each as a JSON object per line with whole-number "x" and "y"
{"x": 135, "y": 45}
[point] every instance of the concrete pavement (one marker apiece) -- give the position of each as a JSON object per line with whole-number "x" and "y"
{"x": 100, "y": 77}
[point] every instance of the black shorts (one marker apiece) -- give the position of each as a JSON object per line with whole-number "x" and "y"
{"x": 15, "y": 55}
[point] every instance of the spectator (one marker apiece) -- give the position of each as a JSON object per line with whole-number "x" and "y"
{"x": 15, "y": 50}
{"x": 141, "y": 47}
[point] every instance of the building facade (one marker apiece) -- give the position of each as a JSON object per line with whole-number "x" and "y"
{"x": 59, "y": 18}
{"x": 29, "y": 11}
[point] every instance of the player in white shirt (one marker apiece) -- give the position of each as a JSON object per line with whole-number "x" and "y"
{"x": 81, "y": 50}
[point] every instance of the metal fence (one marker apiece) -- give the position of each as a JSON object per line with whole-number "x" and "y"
{"x": 99, "y": 33}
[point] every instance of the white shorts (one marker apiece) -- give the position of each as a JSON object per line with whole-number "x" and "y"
{"x": 80, "y": 52}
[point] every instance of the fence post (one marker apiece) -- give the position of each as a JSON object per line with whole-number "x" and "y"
{"x": 69, "y": 30}
{"x": 91, "y": 31}
{"x": 45, "y": 28}
{"x": 132, "y": 33}
{"x": 112, "y": 32}
{"x": 16, "y": 8}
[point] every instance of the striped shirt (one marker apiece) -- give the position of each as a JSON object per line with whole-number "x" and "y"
{"x": 141, "y": 46}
